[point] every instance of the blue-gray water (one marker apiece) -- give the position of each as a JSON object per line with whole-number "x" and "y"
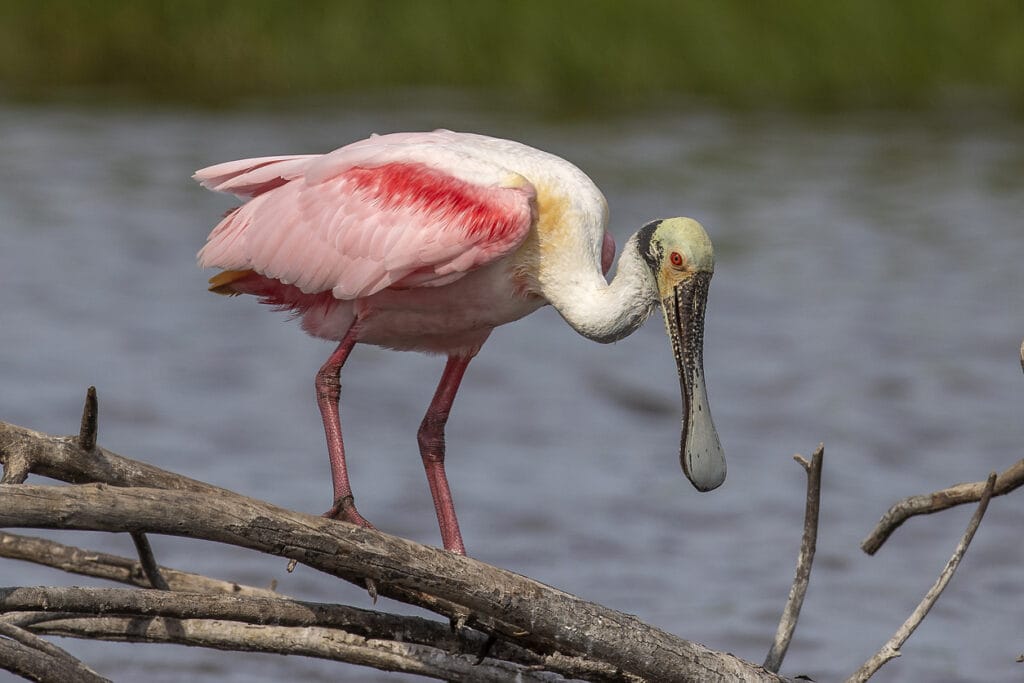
{"x": 867, "y": 294}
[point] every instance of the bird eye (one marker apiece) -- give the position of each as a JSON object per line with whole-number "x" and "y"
{"x": 676, "y": 258}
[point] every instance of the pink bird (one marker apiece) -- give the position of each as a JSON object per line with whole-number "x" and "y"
{"x": 427, "y": 242}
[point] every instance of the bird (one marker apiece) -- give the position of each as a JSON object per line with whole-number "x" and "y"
{"x": 427, "y": 241}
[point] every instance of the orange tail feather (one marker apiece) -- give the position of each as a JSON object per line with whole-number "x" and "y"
{"x": 221, "y": 283}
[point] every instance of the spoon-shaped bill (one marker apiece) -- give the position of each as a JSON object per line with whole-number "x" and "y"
{"x": 700, "y": 452}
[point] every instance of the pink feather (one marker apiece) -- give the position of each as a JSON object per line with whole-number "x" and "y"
{"x": 355, "y": 228}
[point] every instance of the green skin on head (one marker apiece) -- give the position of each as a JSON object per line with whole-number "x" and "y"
{"x": 680, "y": 254}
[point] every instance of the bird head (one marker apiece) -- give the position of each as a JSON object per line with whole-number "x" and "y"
{"x": 682, "y": 260}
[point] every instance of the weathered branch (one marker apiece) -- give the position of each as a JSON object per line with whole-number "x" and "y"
{"x": 69, "y": 602}
{"x": 274, "y": 609}
{"x": 63, "y": 458}
{"x": 112, "y": 567}
{"x": 29, "y": 656}
{"x": 901, "y": 511}
{"x": 892, "y": 648}
{"x": 562, "y": 621}
{"x": 318, "y": 642}
{"x": 808, "y": 544}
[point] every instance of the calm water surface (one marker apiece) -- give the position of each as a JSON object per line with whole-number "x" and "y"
{"x": 868, "y": 295}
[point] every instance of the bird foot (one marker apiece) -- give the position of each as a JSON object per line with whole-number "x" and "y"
{"x": 344, "y": 509}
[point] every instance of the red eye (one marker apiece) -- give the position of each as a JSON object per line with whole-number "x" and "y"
{"x": 676, "y": 258}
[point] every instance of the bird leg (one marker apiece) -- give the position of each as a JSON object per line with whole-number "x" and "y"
{"x": 431, "y": 441}
{"x": 328, "y": 391}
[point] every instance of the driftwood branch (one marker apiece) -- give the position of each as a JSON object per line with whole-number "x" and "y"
{"x": 808, "y": 544}
{"x": 561, "y": 621}
{"x": 112, "y": 567}
{"x": 1012, "y": 478}
{"x": 29, "y": 656}
{"x": 192, "y": 600}
{"x": 146, "y": 499}
{"x": 891, "y": 649}
{"x": 265, "y": 611}
{"x": 317, "y": 642}
{"x": 501, "y": 626}
{"x": 35, "y": 665}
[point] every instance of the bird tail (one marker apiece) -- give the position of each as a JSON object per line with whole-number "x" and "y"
{"x": 223, "y": 282}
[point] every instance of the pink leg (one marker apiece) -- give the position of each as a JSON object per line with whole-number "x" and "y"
{"x": 328, "y": 391}
{"x": 431, "y": 440}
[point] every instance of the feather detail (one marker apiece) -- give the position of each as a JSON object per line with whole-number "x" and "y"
{"x": 222, "y": 283}
{"x": 369, "y": 216}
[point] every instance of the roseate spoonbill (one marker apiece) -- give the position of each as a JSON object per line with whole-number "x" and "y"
{"x": 427, "y": 242}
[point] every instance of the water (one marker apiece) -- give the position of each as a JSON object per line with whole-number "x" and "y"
{"x": 867, "y": 295}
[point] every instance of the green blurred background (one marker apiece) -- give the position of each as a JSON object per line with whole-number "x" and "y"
{"x": 563, "y": 56}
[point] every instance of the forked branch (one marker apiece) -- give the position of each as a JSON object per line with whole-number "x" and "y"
{"x": 791, "y": 612}
{"x": 901, "y": 511}
{"x": 892, "y": 648}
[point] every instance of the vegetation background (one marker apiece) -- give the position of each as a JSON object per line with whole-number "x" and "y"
{"x": 569, "y": 56}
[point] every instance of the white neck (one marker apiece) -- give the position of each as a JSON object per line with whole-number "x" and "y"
{"x": 601, "y": 311}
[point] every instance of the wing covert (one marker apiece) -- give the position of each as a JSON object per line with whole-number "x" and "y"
{"x": 356, "y": 222}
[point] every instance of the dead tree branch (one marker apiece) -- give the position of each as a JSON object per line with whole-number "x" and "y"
{"x": 523, "y": 629}
{"x": 901, "y": 511}
{"x": 112, "y": 567}
{"x": 267, "y": 611}
{"x": 791, "y": 612}
{"x": 29, "y": 656}
{"x": 558, "y": 620}
{"x": 891, "y": 649}
{"x": 512, "y": 607}
{"x": 323, "y": 643}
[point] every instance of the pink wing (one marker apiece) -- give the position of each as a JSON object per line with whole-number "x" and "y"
{"x": 368, "y": 216}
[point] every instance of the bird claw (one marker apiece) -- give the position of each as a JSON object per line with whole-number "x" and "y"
{"x": 340, "y": 508}
{"x": 344, "y": 509}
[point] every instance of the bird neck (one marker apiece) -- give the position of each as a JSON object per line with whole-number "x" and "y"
{"x": 602, "y": 311}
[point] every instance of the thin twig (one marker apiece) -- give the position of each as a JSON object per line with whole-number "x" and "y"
{"x": 148, "y": 562}
{"x": 891, "y": 649}
{"x": 901, "y": 511}
{"x": 808, "y": 544}
{"x": 90, "y": 421}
